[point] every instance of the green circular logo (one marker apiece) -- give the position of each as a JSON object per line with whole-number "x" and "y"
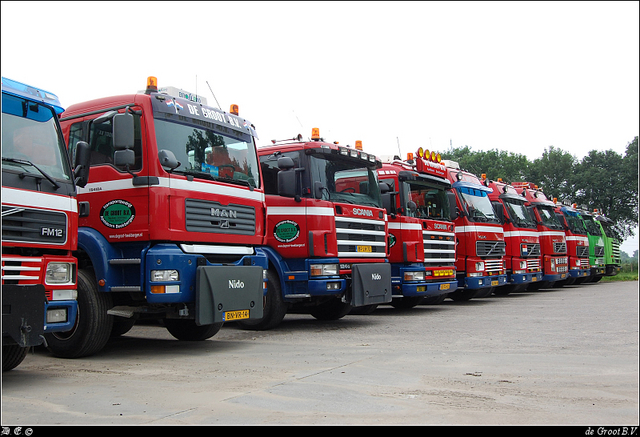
{"x": 286, "y": 231}
{"x": 117, "y": 214}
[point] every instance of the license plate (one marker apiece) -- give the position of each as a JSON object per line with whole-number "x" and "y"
{"x": 494, "y": 283}
{"x": 534, "y": 279}
{"x": 230, "y": 316}
{"x": 363, "y": 248}
{"x": 444, "y": 286}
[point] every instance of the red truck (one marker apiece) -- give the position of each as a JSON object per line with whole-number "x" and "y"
{"x": 480, "y": 248}
{"x": 553, "y": 243}
{"x": 577, "y": 243}
{"x": 172, "y": 219}
{"x": 422, "y": 240}
{"x": 523, "y": 257}
{"x": 325, "y": 231}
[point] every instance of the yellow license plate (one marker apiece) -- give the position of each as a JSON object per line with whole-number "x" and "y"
{"x": 493, "y": 283}
{"x": 363, "y": 248}
{"x": 534, "y": 279}
{"x": 444, "y": 286}
{"x": 230, "y": 316}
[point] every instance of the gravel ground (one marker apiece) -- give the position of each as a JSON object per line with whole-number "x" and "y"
{"x": 566, "y": 356}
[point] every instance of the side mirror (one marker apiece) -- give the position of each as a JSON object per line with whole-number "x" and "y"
{"x": 454, "y": 212}
{"x": 124, "y": 158}
{"x": 168, "y": 159}
{"x": 287, "y": 182}
{"x": 384, "y": 187}
{"x": 285, "y": 163}
{"x": 123, "y": 135}
{"x": 81, "y": 164}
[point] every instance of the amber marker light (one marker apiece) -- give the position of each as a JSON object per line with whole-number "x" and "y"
{"x": 152, "y": 85}
{"x": 315, "y": 133}
{"x": 234, "y": 109}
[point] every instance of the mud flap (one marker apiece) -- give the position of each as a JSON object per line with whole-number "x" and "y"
{"x": 223, "y": 293}
{"x": 370, "y": 284}
{"x": 23, "y": 313}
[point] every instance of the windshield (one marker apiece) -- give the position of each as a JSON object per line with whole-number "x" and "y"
{"x": 477, "y": 205}
{"x": 592, "y": 227}
{"x": 576, "y": 225}
{"x": 344, "y": 180}
{"x": 209, "y": 155}
{"x": 31, "y": 139}
{"x": 519, "y": 214}
{"x": 548, "y": 217}
{"x": 431, "y": 200}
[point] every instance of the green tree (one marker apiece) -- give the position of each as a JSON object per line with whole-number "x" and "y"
{"x": 554, "y": 173}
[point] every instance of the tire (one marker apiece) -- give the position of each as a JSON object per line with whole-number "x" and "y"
{"x": 462, "y": 295}
{"x": 333, "y": 309}
{"x": 437, "y": 300}
{"x": 121, "y": 325}
{"x": 12, "y": 356}
{"x": 93, "y": 325}
{"x": 274, "y": 307}
{"x": 187, "y": 330}
{"x": 406, "y": 302}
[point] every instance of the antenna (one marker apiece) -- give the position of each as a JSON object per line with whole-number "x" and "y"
{"x": 214, "y": 96}
{"x": 399, "y": 152}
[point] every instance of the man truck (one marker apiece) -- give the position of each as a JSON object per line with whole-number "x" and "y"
{"x": 171, "y": 221}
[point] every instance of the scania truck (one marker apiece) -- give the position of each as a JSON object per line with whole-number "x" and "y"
{"x": 596, "y": 245}
{"x": 422, "y": 240}
{"x": 612, "y": 260}
{"x": 553, "y": 244}
{"x": 523, "y": 257}
{"x": 325, "y": 231}
{"x": 171, "y": 220}
{"x": 577, "y": 243}
{"x": 480, "y": 245}
{"x": 39, "y": 222}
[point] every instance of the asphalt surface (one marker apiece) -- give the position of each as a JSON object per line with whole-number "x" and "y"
{"x": 566, "y": 356}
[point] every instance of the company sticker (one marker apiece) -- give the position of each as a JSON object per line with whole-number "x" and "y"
{"x": 117, "y": 214}
{"x": 286, "y": 231}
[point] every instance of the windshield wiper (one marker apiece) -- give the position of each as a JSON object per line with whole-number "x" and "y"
{"x": 42, "y": 172}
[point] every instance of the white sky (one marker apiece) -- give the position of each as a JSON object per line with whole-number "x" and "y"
{"x": 510, "y": 76}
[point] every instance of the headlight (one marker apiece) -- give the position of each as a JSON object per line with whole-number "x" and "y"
{"x": 523, "y": 264}
{"x": 164, "y": 275}
{"x": 323, "y": 269}
{"x": 480, "y": 266}
{"x": 59, "y": 273}
{"x": 414, "y": 276}
{"x": 64, "y": 295}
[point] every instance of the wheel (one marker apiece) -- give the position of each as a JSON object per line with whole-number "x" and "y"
{"x": 406, "y": 302}
{"x": 274, "y": 308}
{"x": 434, "y": 300}
{"x": 187, "y": 330}
{"x": 333, "y": 309}
{"x": 363, "y": 310}
{"x": 462, "y": 295}
{"x": 122, "y": 325}
{"x": 93, "y": 325}
{"x": 12, "y": 356}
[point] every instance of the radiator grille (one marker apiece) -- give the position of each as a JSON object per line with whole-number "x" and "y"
{"x": 207, "y": 216}
{"x": 26, "y": 225}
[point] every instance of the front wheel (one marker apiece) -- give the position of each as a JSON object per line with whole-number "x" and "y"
{"x": 93, "y": 325}
{"x": 12, "y": 356}
{"x": 333, "y": 309}
{"x": 274, "y": 308}
{"x": 406, "y": 302}
{"x": 187, "y": 330}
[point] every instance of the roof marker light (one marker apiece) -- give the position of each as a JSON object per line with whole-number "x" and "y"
{"x": 234, "y": 109}
{"x": 315, "y": 133}
{"x": 152, "y": 85}
{"x": 358, "y": 145}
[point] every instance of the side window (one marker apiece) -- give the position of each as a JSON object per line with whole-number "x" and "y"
{"x": 269, "y": 166}
{"x": 101, "y": 143}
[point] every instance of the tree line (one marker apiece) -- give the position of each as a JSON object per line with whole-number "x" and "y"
{"x": 604, "y": 180}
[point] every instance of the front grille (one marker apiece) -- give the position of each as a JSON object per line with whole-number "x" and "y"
{"x": 533, "y": 265}
{"x": 598, "y": 251}
{"x": 584, "y": 263}
{"x": 439, "y": 249}
{"x": 26, "y": 225}
{"x": 533, "y": 250}
{"x": 559, "y": 247}
{"x": 213, "y": 217}
{"x": 490, "y": 248}
{"x": 360, "y": 237}
{"x": 494, "y": 266}
{"x": 23, "y": 271}
{"x": 582, "y": 251}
